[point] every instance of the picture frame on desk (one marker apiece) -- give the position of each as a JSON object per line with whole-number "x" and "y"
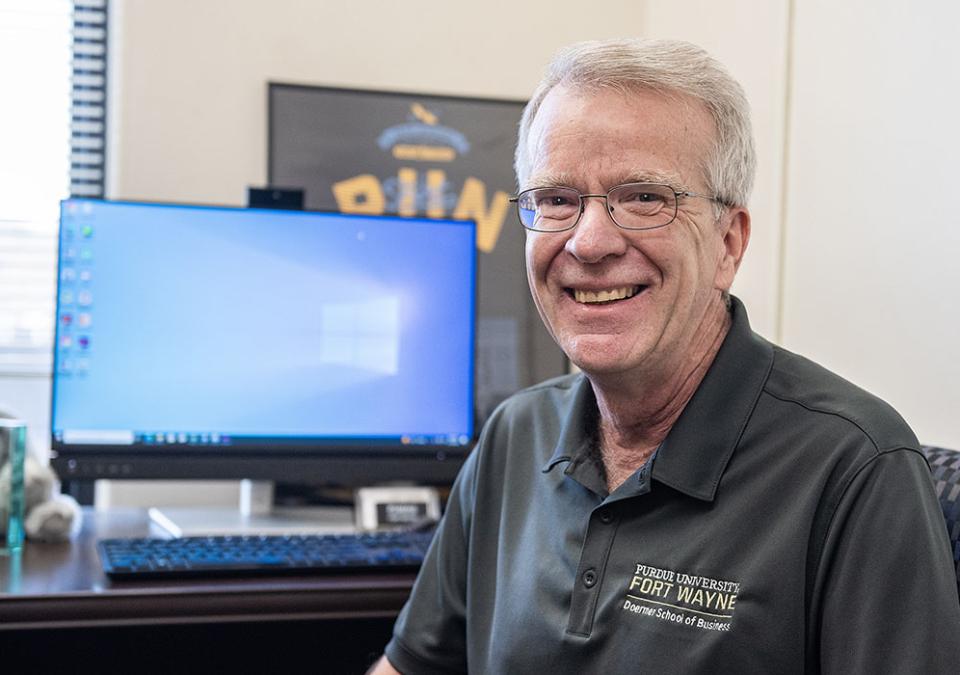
{"x": 396, "y": 507}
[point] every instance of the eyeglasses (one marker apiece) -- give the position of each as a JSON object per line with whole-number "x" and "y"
{"x": 632, "y": 206}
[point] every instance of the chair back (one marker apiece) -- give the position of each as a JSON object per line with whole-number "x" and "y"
{"x": 945, "y": 467}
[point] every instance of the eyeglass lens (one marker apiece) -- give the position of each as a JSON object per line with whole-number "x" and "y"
{"x": 633, "y": 206}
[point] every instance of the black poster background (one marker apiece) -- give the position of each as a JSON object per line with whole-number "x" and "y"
{"x": 426, "y": 155}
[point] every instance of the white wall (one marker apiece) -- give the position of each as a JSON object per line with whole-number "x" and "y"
{"x": 873, "y": 230}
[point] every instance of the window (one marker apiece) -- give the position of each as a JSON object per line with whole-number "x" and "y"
{"x": 53, "y": 80}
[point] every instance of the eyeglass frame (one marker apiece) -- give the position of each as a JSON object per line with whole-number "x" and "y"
{"x": 677, "y": 194}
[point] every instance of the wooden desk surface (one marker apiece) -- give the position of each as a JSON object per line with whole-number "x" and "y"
{"x": 62, "y": 586}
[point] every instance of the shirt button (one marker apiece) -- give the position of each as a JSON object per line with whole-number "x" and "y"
{"x": 605, "y": 517}
{"x": 589, "y": 578}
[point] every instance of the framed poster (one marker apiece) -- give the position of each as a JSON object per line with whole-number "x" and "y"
{"x": 363, "y": 151}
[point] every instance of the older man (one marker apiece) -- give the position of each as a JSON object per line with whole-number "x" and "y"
{"x": 698, "y": 500}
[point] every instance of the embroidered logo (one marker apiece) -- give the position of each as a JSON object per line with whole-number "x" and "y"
{"x": 685, "y": 599}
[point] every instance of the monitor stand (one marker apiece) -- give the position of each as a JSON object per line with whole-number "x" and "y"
{"x": 255, "y": 515}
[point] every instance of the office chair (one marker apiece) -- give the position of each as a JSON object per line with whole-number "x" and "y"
{"x": 945, "y": 467}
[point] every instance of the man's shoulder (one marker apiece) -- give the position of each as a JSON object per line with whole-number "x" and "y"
{"x": 539, "y": 413}
{"x": 821, "y": 395}
{"x": 554, "y": 394}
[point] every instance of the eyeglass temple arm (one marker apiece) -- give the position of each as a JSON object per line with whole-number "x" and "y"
{"x": 697, "y": 194}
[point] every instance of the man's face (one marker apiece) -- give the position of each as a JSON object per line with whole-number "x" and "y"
{"x": 673, "y": 275}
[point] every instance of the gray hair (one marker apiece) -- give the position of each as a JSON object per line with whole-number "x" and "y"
{"x": 667, "y": 66}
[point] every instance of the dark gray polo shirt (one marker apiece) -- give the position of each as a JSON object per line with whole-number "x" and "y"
{"x": 789, "y": 525}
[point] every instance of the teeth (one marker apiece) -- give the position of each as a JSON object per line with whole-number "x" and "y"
{"x": 608, "y": 295}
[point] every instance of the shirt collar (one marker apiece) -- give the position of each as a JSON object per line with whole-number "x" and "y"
{"x": 577, "y": 438}
{"x": 694, "y": 455}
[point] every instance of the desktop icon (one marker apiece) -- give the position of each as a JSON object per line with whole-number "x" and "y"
{"x": 84, "y": 341}
{"x": 85, "y": 276}
{"x": 66, "y": 341}
{"x": 87, "y": 231}
{"x": 84, "y": 319}
{"x": 68, "y": 274}
{"x": 66, "y": 297}
{"x": 66, "y": 319}
{"x": 85, "y": 298}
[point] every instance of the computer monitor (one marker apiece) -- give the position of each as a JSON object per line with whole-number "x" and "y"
{"x": 230, "y": 343}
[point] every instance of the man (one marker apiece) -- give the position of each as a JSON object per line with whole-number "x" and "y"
{"x": 697, "y": 500}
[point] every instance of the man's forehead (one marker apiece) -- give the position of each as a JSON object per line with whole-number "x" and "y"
{"x": 600, "y": 127}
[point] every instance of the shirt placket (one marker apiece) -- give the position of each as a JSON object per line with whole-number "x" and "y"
{"x": 595, "y": 552}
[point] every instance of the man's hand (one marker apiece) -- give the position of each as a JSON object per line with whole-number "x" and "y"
{"x": 383, "y": 667}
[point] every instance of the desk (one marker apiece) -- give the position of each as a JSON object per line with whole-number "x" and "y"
{"x": 57, "y": 605}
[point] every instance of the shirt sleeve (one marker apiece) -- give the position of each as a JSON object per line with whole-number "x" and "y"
{"x": 887, "y": 583}
{"x": 430, "y": 633}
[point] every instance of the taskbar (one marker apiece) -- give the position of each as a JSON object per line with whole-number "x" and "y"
{"x": 195, "y": 439}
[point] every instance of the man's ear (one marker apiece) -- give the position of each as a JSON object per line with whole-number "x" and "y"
{"x": 736, "y": 235}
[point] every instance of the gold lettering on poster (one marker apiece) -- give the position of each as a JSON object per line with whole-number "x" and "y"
{"x": 407, "y": 192}
{"x": 360, "y": 194}
{"x": 435, "y": 181}
{"x": 364, "y": 194}
{"x": 424, "y": 153}
{"x": 473, "y": 204}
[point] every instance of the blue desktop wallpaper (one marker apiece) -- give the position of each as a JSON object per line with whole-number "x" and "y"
{"x": 251, "y": 322}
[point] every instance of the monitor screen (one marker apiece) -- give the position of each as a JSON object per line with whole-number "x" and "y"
{"x": 217, "y": 342}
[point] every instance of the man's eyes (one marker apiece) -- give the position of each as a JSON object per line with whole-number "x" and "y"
{"x": 642, "y": 196}
{"x": 556, "y": 200}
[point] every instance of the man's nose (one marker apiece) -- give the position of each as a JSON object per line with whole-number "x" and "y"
{"x": 596, "y": 236}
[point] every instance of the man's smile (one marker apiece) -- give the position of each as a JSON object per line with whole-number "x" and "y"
{"x": 605, "y": 295}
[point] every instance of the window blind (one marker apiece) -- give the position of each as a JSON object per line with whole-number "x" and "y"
{"x": 52, "y": 130}
{"x": 88, "y": 109}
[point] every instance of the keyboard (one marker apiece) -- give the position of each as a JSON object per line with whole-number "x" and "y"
{"x": 144, "y": 558}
